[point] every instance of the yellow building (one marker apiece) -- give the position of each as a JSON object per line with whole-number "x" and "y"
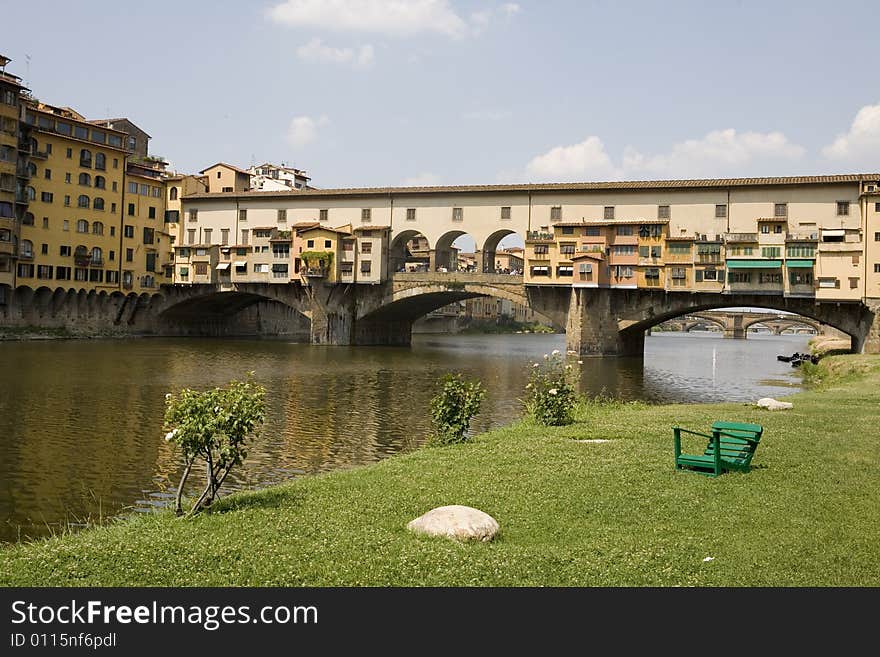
{"x": 320, "y": 255}
{"x": 70, "y": 235}
{"x": 225, "y": 178}
{"x": 146, "y": 244}
{"x": 176, "y": 187}
{"x": 871, "y": 212}
{"x": 14, "y": 174}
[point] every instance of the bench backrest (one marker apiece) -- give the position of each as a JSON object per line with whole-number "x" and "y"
{"x": 738, "y": 441}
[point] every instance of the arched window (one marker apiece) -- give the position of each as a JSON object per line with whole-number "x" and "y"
{"x": 34, "y": 146}
{"x": 98, "y": 203}
{"x": 82, "y": 201}
{"x": 30, "y": 192}
{"x": 100, "y": 161}
{"x": 81, "y": 255}
{"x": 97, "y": 255}
{"x": 100, "y": 182}
{"x": 27, "y": 249}
{"x": 32, "y": 169}
{"x": 85, "y": 158}
{"x": 85, "y": 179}
{"x": 28, "y": 219}
{"x": 82, "y": 226}
{"x": 97, "y": 227}
{"x": 173, "y": 194}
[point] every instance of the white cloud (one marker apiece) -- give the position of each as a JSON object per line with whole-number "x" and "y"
{"x": 389, "y": 17}
{"x": 583, "y": 161}
{"x": 424, "y": 179}
{"x": 304, "y": 129}
{"x": 510, "y": 8}
{"x": 487, "y": 115}
{"x": 315, "y": 50}
{"x": 861, "y": 144}
{"x": 718, "y": 153}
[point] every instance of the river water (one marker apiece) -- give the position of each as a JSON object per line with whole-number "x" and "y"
{"x": 81, "y": 436}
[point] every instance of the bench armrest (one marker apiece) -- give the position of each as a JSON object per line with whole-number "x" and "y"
{"x": 753, "y": 441}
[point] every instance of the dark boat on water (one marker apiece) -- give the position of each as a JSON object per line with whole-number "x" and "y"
{"x": 797, "y": 358}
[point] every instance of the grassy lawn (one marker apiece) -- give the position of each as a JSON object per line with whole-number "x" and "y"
{"x": 571, "y": 514}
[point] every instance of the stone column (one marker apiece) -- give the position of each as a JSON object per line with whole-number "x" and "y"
{"x": 733, "y": 328}
{"x": 869, "y": 341}
{"x": 332, "y": 314}
{"x": 592, "y": 328}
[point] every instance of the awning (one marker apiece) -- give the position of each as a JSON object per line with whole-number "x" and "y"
{"x": 799, "y": 263}
{"x": 833, "y": 232}
{"x": 222, "y": 265}
{"x": 240, "y": 263}
{"x": 537, "y": 269}
{"x": 754, "y": 264}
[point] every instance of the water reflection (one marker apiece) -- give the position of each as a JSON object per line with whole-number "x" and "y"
{"x": 81, "y": 421}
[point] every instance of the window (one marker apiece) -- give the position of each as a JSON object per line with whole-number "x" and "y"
{"x": 149, "y": 236}
{"x": 771, "y": 278}
{"x": 191, "y": 236}
{"x": 877, "y": 267}
{"x": 226, "y": 189}
{"x": 85, "y": 158}
{"x": 721, "y": 211}
{"x": 877, "y": 237}
{"x": 556, "y": 213}
{"x": 224, "y": 236}
{"x": 366, "y": 247}
{"x": 46, "y": 197}
{"x": 30, "y": 193}
{"x": 624, "y": 230}
{"x": 98, "y": 203}
{"x": 328, "y": 244}
{"x": 131, "y": 144}
{"x": 644, "y": 251}
{"x": 853, "y": 283}
{"x": 244, "y": 236}
{"x": 655, "y": 251}
{"x": 877, "y": 207}
{"x": 129, "y": 255}
{"x": 780, "y": 209}
{"x": 97, "y": 228}
{"x": 843, "y": 208}
{"x": 151, "y": 262}
{"x": 679, "y": 248}
{"x": 100, "y": 182}
{"x": 855, "y": 259}
{"x": 128, "y": 231}
{"x": 62, "y": 273}
{"x": 796, "y": 277}
{"x": 145, "y": 190}
{"x": 740, "y": 277}
{"x": 65, "y": 225}
{"x": 27, "y": 249}
{"x": 172, "y": 194}
{"x": 282, "y": 216}
{"x": 132, "y": 188}
{"x": 457, "y": 214}
{"x": 565, "y": 270}
{"x": 541, "y": 249}
{"x": 366, "y": 266}
{"x": 67, "y": 177}
{"x": 131, "y": 209}
{"x": 193, "y": 214}
{"x": 366, "y": 214}
{"x": 281, "y": 250}
{"x": 505, "y": 213}
{"x": 28, "y": 219}
{"x": 207, "y": 235}
{"x": 625, "y": 249}
{"x": 115, "y": 161}
{"x": 567, "y": 250}
{"x": 706, "y": 274}
{"x": 151, "y": 212}
{"x": 593, "y": 231}
{"x": 678, "y": 275}
{"x": 97, "y": 256}
{"x": 48, "y": 174}
{"x": 801, "y": 250}
{"x": 156, "y": 192}
{"x": 242, "y": 215}
{"x": 770, "y": 252}
{"x": 663, "y": 212}
{"x": 82, "y": 226}
{"x": 540, "y": 271}
{"x": 64, "y": 251}
{"x": 652, "y": 273}
{"x": 765, "y": 229}
{"x": 111, "y": 256}
{"x": 25, "y": 270}
{"x": 609, "y": 213}
{"x": 100, "y": 161}
{"x": 172, "y": 216}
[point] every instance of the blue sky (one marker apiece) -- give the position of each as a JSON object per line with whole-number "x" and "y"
{"x": 378, "y": 92}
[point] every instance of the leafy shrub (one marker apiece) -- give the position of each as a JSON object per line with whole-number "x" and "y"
{"x": 551, "y": 393}
{"x": 453, "y": 408}
{"x": 213, "y": 426}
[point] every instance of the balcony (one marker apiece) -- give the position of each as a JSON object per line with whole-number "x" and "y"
{"x": 740, "y": 237}
{"x": 839, "y": 247}
{"x": 26, "y": 255}
{"x": 314, "y": 272}
{"x": 40, "y": 155}
{"x": 8, "y": 249}
{"x": 539, "y": 236}
{"x": 802, "y": 237}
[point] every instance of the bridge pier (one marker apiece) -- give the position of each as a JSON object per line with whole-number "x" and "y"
{"x": 734, "y": 329}
{"x": 868, "y": 340}
{"x": 593, "y": 330}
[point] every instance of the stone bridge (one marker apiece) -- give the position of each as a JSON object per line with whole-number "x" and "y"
{"x": 603, "y": 321}
{"x": 737, "y": 324}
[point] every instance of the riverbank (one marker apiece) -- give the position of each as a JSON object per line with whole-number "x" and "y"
{"x": 571, "y": 513}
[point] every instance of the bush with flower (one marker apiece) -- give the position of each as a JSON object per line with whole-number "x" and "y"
{"x": 453, "y": 408}
{"x": 551, "y": 393}
{"x": 213, "y": 426}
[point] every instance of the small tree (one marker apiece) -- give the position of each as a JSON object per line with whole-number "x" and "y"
{"x": 453, "y": 408}
{"x": 213, "y": 426}
{"x": 551, "y": 393}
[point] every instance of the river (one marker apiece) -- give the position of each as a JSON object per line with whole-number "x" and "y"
{"x": 81, "y": 420}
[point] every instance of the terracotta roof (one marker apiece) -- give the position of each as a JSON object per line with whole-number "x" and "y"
{"x": 707, "y": 183}
{"x": 305, "y": 224}
{"x": 228, "y": 166}
{"x": 592, "y": 255}
{"x": 106, "y": 122}
{"x": 371, "y": 227}
{"x": 327, "y": 228}
{"x": 774, "y": 219}
{"x": 610, "y": 222}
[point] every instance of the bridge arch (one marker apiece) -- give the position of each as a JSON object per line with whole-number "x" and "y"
{"x": 783, "y": 319}
{"x": 489, "y": 248}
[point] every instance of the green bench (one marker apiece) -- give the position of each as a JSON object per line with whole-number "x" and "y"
{"x": 731, "y": 447}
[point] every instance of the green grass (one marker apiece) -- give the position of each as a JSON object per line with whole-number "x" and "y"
{"x": 808, "y": 514}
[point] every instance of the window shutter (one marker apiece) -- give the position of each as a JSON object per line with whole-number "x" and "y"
{"x": 698, "y": 276}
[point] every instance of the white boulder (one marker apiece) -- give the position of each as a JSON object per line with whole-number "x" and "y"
{"x": 463, "y": 523}
{"x": 774, "y": 405}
